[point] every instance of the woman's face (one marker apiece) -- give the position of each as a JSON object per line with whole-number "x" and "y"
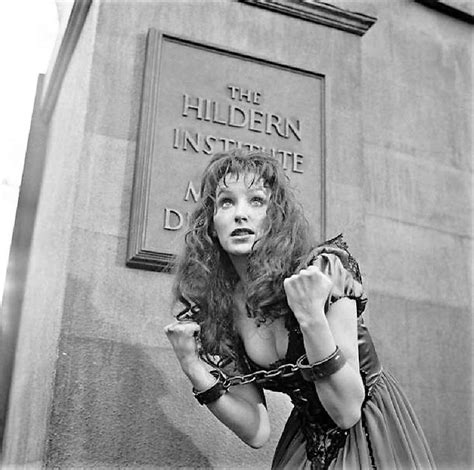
{"x": 240, "y": 212}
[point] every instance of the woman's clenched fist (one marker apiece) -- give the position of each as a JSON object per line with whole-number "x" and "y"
{"x": 183, "y": 337}
{"x": 307, "y": 292}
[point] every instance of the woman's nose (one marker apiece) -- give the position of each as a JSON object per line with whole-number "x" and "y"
{"x": 241, "y": 212}
{"x": 240, "y": 218}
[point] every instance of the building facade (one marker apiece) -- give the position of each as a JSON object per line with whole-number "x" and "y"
{"x": 369, "y": 106}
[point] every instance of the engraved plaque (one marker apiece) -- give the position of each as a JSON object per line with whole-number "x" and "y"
{"x": 199, "y": 99}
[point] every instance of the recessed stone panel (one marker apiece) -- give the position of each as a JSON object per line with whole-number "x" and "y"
{"x": 199, "y": 99}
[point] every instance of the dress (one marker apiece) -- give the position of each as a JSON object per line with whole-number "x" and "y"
{"x": 388, "y": 436}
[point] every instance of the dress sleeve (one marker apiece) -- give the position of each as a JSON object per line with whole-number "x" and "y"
{"x": 334, "y": 260}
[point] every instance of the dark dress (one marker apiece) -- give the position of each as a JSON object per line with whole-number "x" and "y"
{"x": 388, "y": 436}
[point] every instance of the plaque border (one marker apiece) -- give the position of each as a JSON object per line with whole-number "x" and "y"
{"x": 137, "y": 255}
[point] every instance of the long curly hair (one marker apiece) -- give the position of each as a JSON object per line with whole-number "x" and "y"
{"x": 205, "y": 274}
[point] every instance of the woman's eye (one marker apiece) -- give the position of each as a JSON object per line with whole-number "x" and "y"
{"x": 225, "y": 202}
{"x": 257, "y": 201}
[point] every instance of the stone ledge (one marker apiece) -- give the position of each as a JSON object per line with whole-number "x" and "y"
{"x": 461, "y": 11}
{"x": 320, "y": 13}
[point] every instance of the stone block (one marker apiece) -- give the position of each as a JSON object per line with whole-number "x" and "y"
{"x": 344, "y": 160}
{"x": 112, "y": 301}
{"x": 116, "y": 81}
{"x": 116, "y": 85}
{"x": 417, "y": 263}
{"x": 415, "y": 341}
{"x": 345, "y": 214}
{"x": 448, "y": 429}
{"x": 108, "y": 409}
{"x": 105, "y": 185}
{"x": 413, "y": 190}
{"x": 119, "y": 404}
{"x": 421, "y": 94}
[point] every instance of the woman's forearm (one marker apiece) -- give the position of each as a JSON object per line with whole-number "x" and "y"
{"x": 341, "y": 393}
{"x": 241, "y": 409}
{"x": 248, "y": 421}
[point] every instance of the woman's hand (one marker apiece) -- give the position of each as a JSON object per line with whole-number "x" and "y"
{"x": 307, "y": 292}
{"x": 183, "y": 337}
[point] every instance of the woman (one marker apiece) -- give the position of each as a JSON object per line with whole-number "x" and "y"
{"x": 261, "y": 298}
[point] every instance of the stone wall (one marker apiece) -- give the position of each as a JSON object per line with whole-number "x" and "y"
{"x": 417, "y": 119}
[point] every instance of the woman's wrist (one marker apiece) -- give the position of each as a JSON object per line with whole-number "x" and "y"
{"x": 308, "y": 323}
{"x": 191, "y": 364}
{"x": 318, "y": 338}
{"x": 197, "y": 372}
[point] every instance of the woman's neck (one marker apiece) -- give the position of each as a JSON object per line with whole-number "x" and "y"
{"x": 241, "y": 267}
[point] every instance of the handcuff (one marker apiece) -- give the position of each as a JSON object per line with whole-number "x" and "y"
{"x": 188, "y": 312}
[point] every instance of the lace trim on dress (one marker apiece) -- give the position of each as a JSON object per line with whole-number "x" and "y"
{"x": 348, "y": 262}
{"x": 347, "y": 283}
{"x": 323, "y": 438}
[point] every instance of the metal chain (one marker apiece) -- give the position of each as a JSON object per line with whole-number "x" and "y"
{"x": 283, "y": 371}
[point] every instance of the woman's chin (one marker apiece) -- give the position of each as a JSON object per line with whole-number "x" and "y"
{"x": 239, "y": 252}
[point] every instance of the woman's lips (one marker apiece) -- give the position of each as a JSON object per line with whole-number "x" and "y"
{"x": 241, "y": 232}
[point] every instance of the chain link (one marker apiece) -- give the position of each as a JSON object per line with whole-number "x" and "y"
{"x": 283, "y": 371}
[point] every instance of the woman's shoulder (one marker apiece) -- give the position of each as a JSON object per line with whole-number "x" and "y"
{"x": 335, "y": 260}
{"x": 336, "y": 248}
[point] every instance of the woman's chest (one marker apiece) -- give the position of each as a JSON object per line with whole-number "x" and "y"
{"x": 264, "y": 344}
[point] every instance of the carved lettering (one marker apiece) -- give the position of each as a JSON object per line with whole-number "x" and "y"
{"x": 297, "y": 160}
{"x": 186, "y": 140}
{"x": 255, "y": 120}
{"x": 198, "y": 106}
{"x": 274, "y": 121}
{"x": 219, "y": 123}
{"x": 215, "y": 116}
{"x": 175, "y": 138}
{"x": 209, "y": 144}
{"x": 233, "y": 91}
{"x": 174, "y": 220}
{"x": 207, "y": 109}
{"x": 237, "y": 117}
{"x": 294, "y": 127}
{"x": 244, "y": 94}
{"x": 284, "y": 159}
{"x": 191, "y": 191}
{"x": 192, "y": 141}
{"x": 226, "y": 143}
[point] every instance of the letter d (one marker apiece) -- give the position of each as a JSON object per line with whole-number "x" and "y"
{"x": 168, "y": 223}
{"x": 233, "y": 117}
